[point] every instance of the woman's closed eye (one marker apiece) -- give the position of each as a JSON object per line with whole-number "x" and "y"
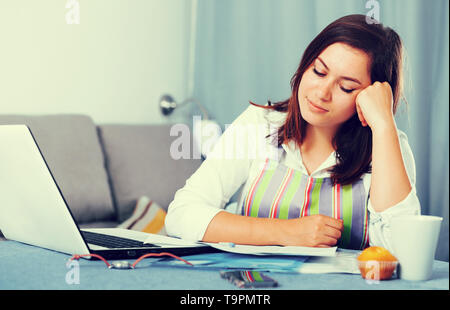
{"x": 348, "y": 91}
{"x": 318, "y": 73}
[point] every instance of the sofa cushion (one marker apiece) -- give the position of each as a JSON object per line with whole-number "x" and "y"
{"x": 139, "y": 164}
{"x": 147, "y": 216}
{"x": 70, "y": 145}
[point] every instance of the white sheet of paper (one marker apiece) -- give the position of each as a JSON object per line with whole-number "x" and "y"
{"x": 160, "y": 239}
{"x": 246, "y": 249}
{"x": 274, "y": 250}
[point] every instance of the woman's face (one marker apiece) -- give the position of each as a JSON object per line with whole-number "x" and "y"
{"x": 328, "y": 88}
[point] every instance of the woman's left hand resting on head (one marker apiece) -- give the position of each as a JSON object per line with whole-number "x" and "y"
{"x": 390, "y": 183}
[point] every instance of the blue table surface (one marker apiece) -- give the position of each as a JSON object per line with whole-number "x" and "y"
{"x": 25, "y": 267}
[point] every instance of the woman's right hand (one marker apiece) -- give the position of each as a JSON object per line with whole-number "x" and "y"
{"x": 313, "y": 231}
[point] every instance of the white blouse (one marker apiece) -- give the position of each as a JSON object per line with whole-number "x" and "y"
{"x": 237, "y": 158}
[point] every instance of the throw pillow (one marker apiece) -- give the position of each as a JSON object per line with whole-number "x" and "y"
{"x": 147, "y": 216}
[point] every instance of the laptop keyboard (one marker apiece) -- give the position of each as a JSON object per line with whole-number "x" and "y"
{"x": 113, "y": 242}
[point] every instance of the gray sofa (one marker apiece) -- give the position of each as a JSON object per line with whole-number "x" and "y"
{"x": 103, "y": 169}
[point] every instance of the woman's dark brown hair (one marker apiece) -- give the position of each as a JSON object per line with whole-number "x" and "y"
{"x": 352, "y": 142}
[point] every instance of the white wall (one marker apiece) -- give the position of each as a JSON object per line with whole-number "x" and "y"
{"x": 114, "y": 65}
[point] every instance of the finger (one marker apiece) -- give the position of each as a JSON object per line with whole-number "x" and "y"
{"x": 326, "y": 241}
{"x": 361, "y": 116}
{"x": 323, "y": 246}
{"x": 332, "y": 232}
{"x": 358, "y": 111}
{"x": 334, "y": 223}
{"x": 387, "y": 85}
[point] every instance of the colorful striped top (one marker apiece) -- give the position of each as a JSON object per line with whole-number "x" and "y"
{"x": 282, "y": 192}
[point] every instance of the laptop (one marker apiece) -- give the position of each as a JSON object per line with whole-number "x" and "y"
{"x": 34, "y": 211}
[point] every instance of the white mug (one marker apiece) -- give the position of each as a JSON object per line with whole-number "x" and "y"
{"x": 414, "y": 241}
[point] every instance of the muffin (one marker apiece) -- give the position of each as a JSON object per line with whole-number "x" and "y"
{"x": 376, "y": 263}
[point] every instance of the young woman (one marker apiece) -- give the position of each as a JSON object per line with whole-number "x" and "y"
{"x": 333, "y": 168}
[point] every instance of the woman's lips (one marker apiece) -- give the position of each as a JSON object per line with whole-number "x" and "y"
{"x": 315, "y": 107}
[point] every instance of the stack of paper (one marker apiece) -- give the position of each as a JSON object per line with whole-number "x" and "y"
{"x": 264, "y": 258}
{"x": 274, "y": 250}
{"x": 246, "y": 249}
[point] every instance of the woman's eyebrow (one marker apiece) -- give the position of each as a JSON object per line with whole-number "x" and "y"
{"x": 343, "y": 77}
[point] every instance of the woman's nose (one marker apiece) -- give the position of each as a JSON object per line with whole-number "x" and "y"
{"x": 324, "y": 91}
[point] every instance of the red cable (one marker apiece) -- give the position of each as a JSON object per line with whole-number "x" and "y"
{"x": 160, "y": 254}
{"x": 77, "y": 257}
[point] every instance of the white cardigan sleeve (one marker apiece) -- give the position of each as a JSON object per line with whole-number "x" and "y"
{"x": 379, "y": 222}
{"x": 208, "y": 190}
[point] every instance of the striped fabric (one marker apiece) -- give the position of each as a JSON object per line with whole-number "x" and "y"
{"x": 147, "y": 217}
{"x": 285, "y": 193}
